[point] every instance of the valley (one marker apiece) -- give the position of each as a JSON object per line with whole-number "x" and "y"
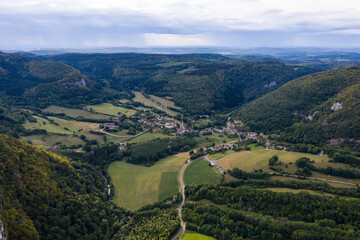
{"x": 258, "y": 144}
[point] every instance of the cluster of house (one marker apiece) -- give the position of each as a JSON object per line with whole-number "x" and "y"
{"x": 159, "y": 121}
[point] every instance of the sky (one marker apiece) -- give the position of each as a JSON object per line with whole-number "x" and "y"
{"x": 32, "y": 24}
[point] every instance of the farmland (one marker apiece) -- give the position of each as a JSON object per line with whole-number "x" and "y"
{"x": 199, "y": 172}
{"x": 75, "y": 113}
{"x": 149, "y": 136}
{"x": 258, "y": 159}
{"x": 108, "y": 108}
{"x": 136, "y": 185}
{"x": 189, "y": 235}
{"x": 46, "y": 141}
{"x": 139, "y": 97}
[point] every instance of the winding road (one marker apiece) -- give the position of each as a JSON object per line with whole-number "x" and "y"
{"x": 182, "y": 191}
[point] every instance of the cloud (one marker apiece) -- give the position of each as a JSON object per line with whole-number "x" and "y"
{"x": 241, "y": 23}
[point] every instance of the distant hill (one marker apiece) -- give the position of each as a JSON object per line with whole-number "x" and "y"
{"x": 37, "y": 82}
{"x": 197, "y": 82}
{"x": 315, "y": 108}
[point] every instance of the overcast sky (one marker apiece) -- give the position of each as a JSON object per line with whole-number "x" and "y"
{"x": 147, "y": 23}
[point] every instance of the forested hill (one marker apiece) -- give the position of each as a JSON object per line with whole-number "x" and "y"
{"x": 313, "y": 109}
{"x": 45, "y": 196}
{"x": 197, "y": 82}
{"x": 32, "y": 81}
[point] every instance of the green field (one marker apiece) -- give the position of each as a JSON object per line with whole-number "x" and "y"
{"x": 258, "y": 159}
{"x": 139, "y": 97}
{"x": 149, "y": 136}
{"x": 136, "y": 186}
{"x": 217, "y": 138}
{"x": 254, "y": 147}
{"x": 75, "y": 112}
{"x": 199, "y": 172}
{"x": 189, "y": 235}
{"x": 49, "y": 140}
{"x": 108, "y": 108}
{"x": 217, "y": 156}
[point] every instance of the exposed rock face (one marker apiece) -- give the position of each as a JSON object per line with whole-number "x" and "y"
{"x": 273, "y": 83}
{"x": 336, "y": 106}
{"x": 2, "y": 231}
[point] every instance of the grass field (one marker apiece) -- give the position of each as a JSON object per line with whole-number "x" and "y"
{"x": 199, "y": 172}
{"x": 254, "y": 147}
{"x": 108, "y": 108}
{"x": 66, "y": 127}
{"x": 139, "y": 97}
{"x": 75, "y": 112}
{"x": 250, "y": 160}
{"x": 189, "y": 235}
{"x": 47, "y": 141}
{"x": 259, "y": 159}
{"x": 217, "y": 156}
{"x": 164, "y": 102}
{"x": 136, "y": 186}
{"x": 149, "y": 136}
{"x": 217, "y": 138}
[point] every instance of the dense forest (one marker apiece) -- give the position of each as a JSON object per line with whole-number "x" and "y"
{"x": 243, "y": 212}
{"x": 312, "y": 109}
{"x": 198, "y": 83}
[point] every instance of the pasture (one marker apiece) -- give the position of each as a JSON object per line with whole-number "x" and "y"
{"x": 108, "y": 108}
{"x": 75, "y": 112}
{"x": 189, "y": 235}
{"x": 259, "y": 159}
{"x": 199, "y": 172}
{"x": 149, "y": 136}
{"x": 136, "y": 186}
{"x": 49, "y": 140}
{"x": 219, "y": 155}
{"x": 306, "y": 190}
{"x": 139, "y": 97}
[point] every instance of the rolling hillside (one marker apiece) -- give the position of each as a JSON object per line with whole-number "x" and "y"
{"x": 33, "y": 82}
{"x": 198, "y": 83}
{"x": 315, "y": 108}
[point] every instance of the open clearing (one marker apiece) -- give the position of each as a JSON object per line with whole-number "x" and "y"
{"x": 75, "y": 112}
{"x": 108, "y": 108}
{"x": 49, "y": 140}
{"x": 259, "y": 159}
{"x": 139, "y": 97}
{"x": 217, "y": 138}
{"x": 219, "y": 155}
{"x": 189, "y": 235}
{"x": 136, "y": 186}
{"x": 199, "y": 172}
{"x": 149, "y": 136}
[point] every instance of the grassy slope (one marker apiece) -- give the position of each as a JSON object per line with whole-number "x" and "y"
{"x": 149, "y": 136}
{"x": 47, "y": 141}
{"x": 199, "y": 172}
{"x": 75, "y": 112}
{"x": 250, "y": 160}
{"x": 217, "y": 156}
{"x": 189, "y": 235}
{"x": 136, "y": 186}
{"x": 139, "y": 97}
{"x": 108, "y": 108}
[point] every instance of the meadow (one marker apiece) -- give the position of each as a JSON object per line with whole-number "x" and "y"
{"x": 258, "y": 159}
{"x": 139, "y": 97}
{"x": 189, "y": 235}
{"x": 199, "y": 172}
{"x": 136, "y": 186}
{"x": 75, "y": 112}
{"x": 108, "y": 108}
{"x": 49, "y": 140}
{"x": 149, "y": 136}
